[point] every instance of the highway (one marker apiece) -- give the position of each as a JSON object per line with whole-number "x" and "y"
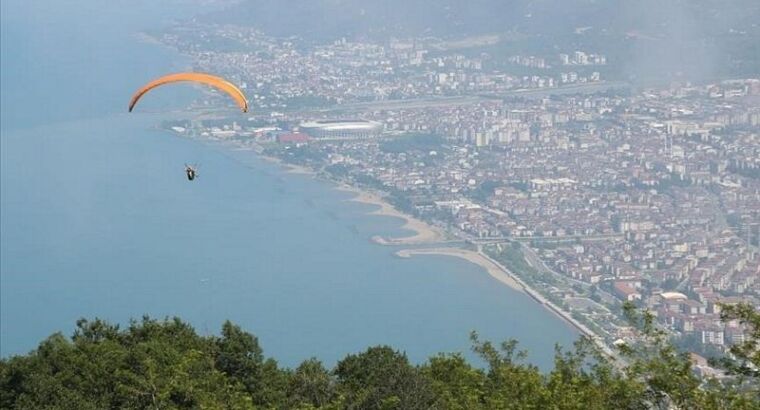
{"x": 452, "y": 101}
{"x": 598, "y": 340}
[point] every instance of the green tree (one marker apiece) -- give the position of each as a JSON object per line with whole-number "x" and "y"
{"x": 744, "y": 361}
{"x": 152, "y": 364}
{"x": 747, "y": 353}
{"x": 583, "y": 379}
{"x": 666, "y": 372}
{"x": 382, "y": 378}
{"x": 240, "y": 357}
{"x": 311, "y": 385}
{"x": 165, "y": 364}
{"x": 457, "y": 385}
{"x": 510, "y": 384}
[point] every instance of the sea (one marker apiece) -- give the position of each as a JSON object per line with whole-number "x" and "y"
{"x": 97, "y": 219}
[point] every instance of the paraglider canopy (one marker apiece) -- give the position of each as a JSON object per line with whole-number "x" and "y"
{"x": 208, "y": 79}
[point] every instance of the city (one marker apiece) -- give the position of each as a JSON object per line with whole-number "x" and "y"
{"x": 380, "y": 205}
{"x": 591, "y": 196}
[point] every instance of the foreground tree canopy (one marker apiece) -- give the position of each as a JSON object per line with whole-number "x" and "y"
{"x": 166, "y": 365}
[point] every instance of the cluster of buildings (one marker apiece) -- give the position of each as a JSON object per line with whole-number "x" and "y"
{"x": 652, "y": 198}
{"x": 284, "y": 75}
{"x": 528, "y": 61}
{"x": 582, "y": 58}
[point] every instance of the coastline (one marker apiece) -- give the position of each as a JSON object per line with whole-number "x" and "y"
{"x": 561, "y": 313}
{"x": 427, "y": 234}
{"x": 289, "y": 168}
{"x": 424, "y": 233}
{"x": 509, "y": 278}
{"x": 493, "y": 269}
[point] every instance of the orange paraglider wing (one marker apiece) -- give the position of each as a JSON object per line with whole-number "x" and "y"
{"x": 208, "y": 79}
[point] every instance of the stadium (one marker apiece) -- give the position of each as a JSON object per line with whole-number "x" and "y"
{"x": 342, "y": 129}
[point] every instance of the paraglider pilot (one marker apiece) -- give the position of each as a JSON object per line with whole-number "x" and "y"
{"x": 208, "y": 79}
{"x": 190, "y": 171}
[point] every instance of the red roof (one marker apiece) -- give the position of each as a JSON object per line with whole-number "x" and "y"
{"x": 624, "y": 289}
{"x": 293, "y": 137}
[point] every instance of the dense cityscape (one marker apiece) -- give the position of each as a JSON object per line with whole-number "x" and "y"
{"x": 592, "y": 194}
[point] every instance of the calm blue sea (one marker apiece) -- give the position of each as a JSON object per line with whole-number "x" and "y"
{"x": 97, "y": 219}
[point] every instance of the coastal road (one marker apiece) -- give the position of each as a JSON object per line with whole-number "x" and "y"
{"x": 534, "y": 260}
{"x": 570, "y": 238}
{"x": 598, "y": 340}
{"x": 407, "y": 104}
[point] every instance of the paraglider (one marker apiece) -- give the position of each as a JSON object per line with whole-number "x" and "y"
{"x": 191, "y": 172}
{"x": 208, "y": 79}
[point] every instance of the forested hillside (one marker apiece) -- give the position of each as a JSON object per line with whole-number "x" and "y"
{"x": 166, "y": 365}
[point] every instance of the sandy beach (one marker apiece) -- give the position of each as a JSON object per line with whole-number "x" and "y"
{"x": 423, "y": 233}
{"x": 298, "y": 169}
{"x": 471, "y": 256}
{"x": 289, "y": 168}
